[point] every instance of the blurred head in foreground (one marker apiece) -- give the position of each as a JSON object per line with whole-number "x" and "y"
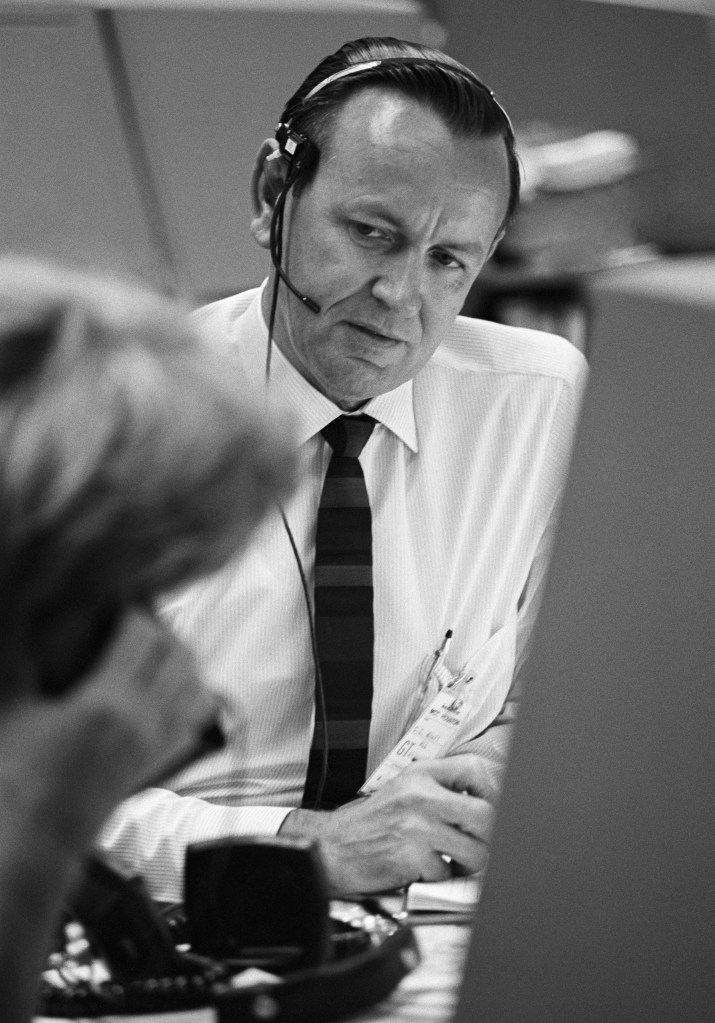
{"x": 128, "y": 465}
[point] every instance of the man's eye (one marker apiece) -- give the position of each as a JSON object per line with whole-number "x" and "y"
{"x": 367, "y": 232}
{"x": 447, "y": 260}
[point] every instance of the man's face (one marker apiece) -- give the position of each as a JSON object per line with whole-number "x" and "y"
{"x": 387, "y": 238}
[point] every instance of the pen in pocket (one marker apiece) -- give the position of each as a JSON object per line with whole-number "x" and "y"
{"x": 440, "y": 653}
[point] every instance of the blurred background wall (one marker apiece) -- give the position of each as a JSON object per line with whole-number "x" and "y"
{"x": 646, "y": 67}
{"x": 128, "y": 130}
{"x": 203, "y": 83}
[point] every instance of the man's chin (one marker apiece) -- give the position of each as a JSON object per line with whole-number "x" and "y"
{"x": 350, "y": 392}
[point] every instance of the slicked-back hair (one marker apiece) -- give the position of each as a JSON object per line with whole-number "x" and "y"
{"x": 438, "y": 81}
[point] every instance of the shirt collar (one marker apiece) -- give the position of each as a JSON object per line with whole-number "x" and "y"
{"x": 308, "y": 409}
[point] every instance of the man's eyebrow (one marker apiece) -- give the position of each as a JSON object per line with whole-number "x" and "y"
{"x": 370, "y": 207}
{"x": 374, "y": 208}
{"x": 469, "y": 248}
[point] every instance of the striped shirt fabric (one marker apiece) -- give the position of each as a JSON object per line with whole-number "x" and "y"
{"x": 464, "y": 469}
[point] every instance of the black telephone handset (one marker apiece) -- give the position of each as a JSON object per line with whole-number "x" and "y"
{"x": 123, "y": 924}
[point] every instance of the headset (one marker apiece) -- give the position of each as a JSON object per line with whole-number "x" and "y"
{"x": 294, "y": 158}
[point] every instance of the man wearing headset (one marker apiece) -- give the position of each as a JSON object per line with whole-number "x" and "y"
{"x": 388, "y": 185}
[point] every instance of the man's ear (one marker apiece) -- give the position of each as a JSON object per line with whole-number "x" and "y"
{"x": 267, "y": 180}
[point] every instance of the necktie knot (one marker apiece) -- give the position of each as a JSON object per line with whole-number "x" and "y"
{"x": 348, "y": 435}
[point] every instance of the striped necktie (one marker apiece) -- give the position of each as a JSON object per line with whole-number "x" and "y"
{"x": 343, "y": 617}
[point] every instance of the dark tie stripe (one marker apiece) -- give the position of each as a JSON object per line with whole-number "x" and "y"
{"x": 335, "y": 649}
{"x": 344, "y": 539}
{"x": 343, "y": 601}
{"x": 347, "y": 517}
{"x": 342, "y": 491}
{"x": 343, "y": 676}
{"x": 345, "y": 735}
{"x": 343, "y": 615}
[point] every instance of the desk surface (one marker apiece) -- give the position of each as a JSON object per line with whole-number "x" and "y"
{"x": 429, "y": 993}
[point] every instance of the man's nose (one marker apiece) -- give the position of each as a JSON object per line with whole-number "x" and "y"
{"x": 399, "y": 283}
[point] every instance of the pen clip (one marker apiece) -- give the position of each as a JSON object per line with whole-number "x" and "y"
{"x": 461, "y": 678}
{"x": 439, "y": 653}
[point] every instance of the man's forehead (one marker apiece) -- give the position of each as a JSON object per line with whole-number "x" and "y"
{"x": 379, "y": 128}
{"x": 384, "y": 112}
{"x": 379, "y": 117}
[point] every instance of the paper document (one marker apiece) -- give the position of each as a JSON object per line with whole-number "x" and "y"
{"x": 458, "y": 894}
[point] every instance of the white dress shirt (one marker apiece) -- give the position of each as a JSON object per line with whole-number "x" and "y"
{"x": 464, "y": 471}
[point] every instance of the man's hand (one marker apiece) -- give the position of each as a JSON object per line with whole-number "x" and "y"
{"x": 401, "y": 833}
{"x": 68, "y": 761}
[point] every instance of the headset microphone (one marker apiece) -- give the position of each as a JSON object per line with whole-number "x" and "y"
{"x": 300, "y": 154}
{"x": 310, "y": 303}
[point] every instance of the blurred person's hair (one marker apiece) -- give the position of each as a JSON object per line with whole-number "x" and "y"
{"x": 128, "y": 462}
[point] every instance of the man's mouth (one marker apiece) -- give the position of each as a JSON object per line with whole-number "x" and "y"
{"x": 374, "y": 334}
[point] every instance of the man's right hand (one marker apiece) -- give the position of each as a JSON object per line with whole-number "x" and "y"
{"x": 402, "y": 832}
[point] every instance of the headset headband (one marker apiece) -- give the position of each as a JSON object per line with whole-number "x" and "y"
{"x": 367, "y": 65}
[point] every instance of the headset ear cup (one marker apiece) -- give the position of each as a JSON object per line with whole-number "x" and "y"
{"x": 299, "y": 153}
